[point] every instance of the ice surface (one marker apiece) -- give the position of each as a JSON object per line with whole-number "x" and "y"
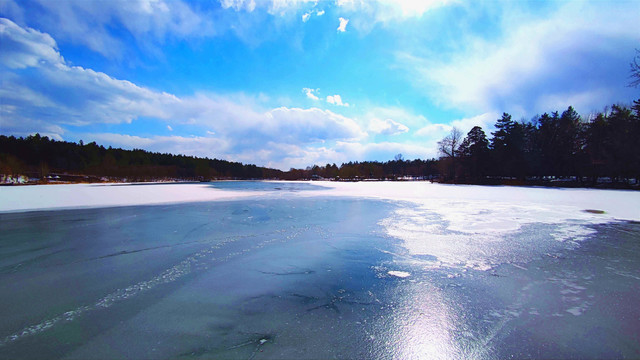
{"x": 70, "y": 196}
{"x": 492, "y": 208}
{"x": 469, "y": 226}
{"x": 398, "y": 273}
{"x": 318, "y": 270}
{"x": 459, "y": 225}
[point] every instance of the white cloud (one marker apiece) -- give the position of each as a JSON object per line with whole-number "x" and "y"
{"x": 281, "y": 7}
{"x": 398, "y": 114}
{"x": 285, "y": 156}
{"x": 538, "y": 62}
{"x": 367, "y": 13}
{"x": 485, "y": 121}
{"x": 393, "y": 9}
{"x": 386, "y": 127}
{"x": 71, "y": 94}
{"x": 22, "y": 48}
{"x": 90, "y": 23}
{"x": 355, "y": 151}
{"x": 343, "y": 24}
{"x": 306, "y": 16}
{"x": 310, "y": 93}
{"x": 581, "y": 100}
{"x": 54, "y": 94}
{"x": 433, "y": 130}
{"x": 432, "y": 133}
{"x": 331, "y": 99}
{"x": 294, "y": 125}
{"x": 238, "y": 5}
{"x": 336, "y": 100}
{"x": 191, "y": 145}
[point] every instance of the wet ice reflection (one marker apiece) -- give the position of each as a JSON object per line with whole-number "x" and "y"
{"x": 311, "y": 278}
{"x": 422, "y": 325}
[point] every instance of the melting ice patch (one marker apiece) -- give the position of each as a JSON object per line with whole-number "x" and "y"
{"x": 400, "y": 274}
{"x": 574, "y": 232}
{"x": 198, "y": 261}
{"x": 480, "y": 234}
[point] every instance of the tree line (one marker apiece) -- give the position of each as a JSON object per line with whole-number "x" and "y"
{"x": 397, "y": 169}
{"x": 549, "y": 147}
{"x": 560, "y": 148}
{"x": 41, "y": 157}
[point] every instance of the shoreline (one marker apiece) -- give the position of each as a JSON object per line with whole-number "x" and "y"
{"x": 515, "y": 184}
{"x": 453, "y": 202}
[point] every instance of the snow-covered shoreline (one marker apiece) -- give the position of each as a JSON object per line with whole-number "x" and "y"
{"x": 616, "y": 204}
{"x": 468, "y": 225}
{"x": 74, "y": 196}
{"x": 225, "y": 255}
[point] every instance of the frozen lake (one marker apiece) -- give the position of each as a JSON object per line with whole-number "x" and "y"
{"x": 272, "y": 270}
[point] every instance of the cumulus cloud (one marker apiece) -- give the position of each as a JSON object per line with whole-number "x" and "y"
{"x": 386, "y": 127}
{"x": 336, "y": 100}
{"x": 433, "y": 130}
{"x": 272, "y": 154}
{"x": 306, "y": 16}
{"x": 68, "y": 94}
{"x": 343, "y": 24}
{"x": 53, "y": 94}
{"x": 366, "y": 14}
{"x": 377, "y": 10}
{"x": 398, "y": 114}
{"x": 408, "y": 8}
{"x": 309, "y": 125}
{"x": 91, "y": 23}
{"x": 385, "y": 150}
{"x": 186, "y": 145}
{"x": 247, "y": 5}
{"x": 22, "y": 48}
{"x": 310, "y": 93}
{"x": 331, "y": 99}
{"x": 485, "y": 121}
{"x": 281, "y": 7}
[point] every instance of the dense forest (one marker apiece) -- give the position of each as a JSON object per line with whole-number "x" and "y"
{"x": 551, "y": 149}
{"x": 46, "y": 159}
{"x": 561, "y": 149}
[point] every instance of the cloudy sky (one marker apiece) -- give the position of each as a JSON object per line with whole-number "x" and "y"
{"x": 292, "y": 83}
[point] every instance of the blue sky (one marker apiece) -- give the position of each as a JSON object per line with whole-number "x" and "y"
{"x": 286, "y": 83}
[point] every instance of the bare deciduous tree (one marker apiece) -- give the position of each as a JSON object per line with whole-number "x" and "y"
{"x": 448, "y": 147}
{"x": 635, "y": 70}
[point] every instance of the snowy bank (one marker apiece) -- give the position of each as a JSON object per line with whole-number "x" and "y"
{"x": 470, "y": 226}
{"x": 70, "y": 196}
{"x": 467, "y": 208}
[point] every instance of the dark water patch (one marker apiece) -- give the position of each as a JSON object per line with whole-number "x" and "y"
{"x": 593, "y": 211}
{"x": 265, "y": 186}
{"x": 312, "y": 281}
{"x": 302, "y": 272}
{"x": 117, "y": 254}
{"x": 150, "y": 183}
{"x": 578, "y": 303}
